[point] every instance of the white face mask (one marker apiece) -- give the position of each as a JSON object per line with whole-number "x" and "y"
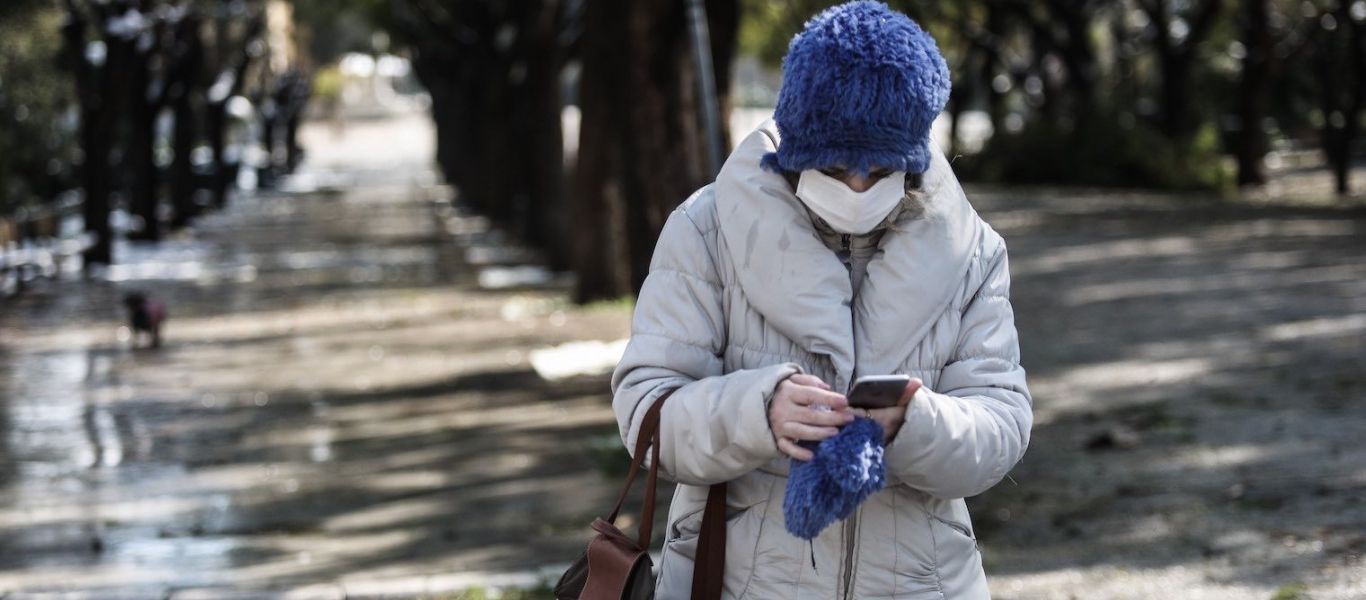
{"x": 848, "y": 211}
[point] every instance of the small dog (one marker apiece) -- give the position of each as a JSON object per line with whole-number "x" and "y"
{"x": 145, "y": 315}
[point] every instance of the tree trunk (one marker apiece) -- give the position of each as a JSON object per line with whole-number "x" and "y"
{"x": 955, "y": 109}
{"x": 723, "y": 22}
{"x": 95, "y": 133}
{"x": 429, "y": 71}
{"x": 649, "y": 116}
{"x": 599, "y": 249}
{"x": 1077, "y": 55}
{"x": 488, "y": 145}
{"x": 216, "y": 125}
{"x": 142, "y": 196}
{"x": 185, "y": 83}
{"x": 95, "y": 130}
{"x": 544, "y": 223}
{"x": 1177, "y": 61}
{"x": 270, "y": 124}
{"x": 1254, "y": 89}
{"x": 1175, "y": 96}
{"x": 235, "y": 59}
{"x": 1171, "y": 82}
{"x": 996, "y": 29}
{"x": 664, "y": 145}
{"x": 1355, "y": 100}
{"x": 182, "y": 171}
{"x": 642, "y": 149}
{"x": 300, "y": 91}
{"x": 1339, "y": 92}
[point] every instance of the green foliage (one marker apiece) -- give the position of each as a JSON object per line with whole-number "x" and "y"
{"x": 11, "y": 9}
{"x": 624, "y": 304}
{"x": 1014, "y": 47}
{"x": 766, "y": 26}
{"x": 328, "y": 84}
{"x": 1102, "y": 151}
{"x": 1292, "y": 591}
{"x": 608, "y": 455}
{"x": 37, "y": 129}
{"x": 330, "y": 28}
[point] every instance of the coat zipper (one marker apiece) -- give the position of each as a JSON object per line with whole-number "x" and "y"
{"x": 850, "y": 528}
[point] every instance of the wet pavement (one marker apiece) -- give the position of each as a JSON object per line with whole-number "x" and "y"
{"x": 338, "y": 409}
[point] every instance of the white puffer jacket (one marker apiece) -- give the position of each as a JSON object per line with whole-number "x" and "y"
{"x": 742, "y": 293}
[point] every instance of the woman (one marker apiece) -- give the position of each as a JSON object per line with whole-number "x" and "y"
{"x": 835, "y": 243}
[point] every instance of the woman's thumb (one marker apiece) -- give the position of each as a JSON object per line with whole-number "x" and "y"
{"x": 912, "y": 387}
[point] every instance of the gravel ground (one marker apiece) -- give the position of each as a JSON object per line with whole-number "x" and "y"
{"x": 1199, "y": 372}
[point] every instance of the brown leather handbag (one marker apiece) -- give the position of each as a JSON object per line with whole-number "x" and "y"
{"x": 617, "y": 567}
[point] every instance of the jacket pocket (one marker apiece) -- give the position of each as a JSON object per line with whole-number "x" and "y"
{"x": 957, "y": 561}
{"x": 912, "y": 534}
{"x": 958, "y": 527}
{"x": 775, "y": 555}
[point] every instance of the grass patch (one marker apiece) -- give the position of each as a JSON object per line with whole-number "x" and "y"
{"x": 609, "y": 457}
{"x": 1292, "y": 591}
{"x": 624, "y": 303}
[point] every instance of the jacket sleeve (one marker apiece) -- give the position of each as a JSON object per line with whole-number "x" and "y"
{"x": 714, "y": 427}
{"x": 962, "y": 439}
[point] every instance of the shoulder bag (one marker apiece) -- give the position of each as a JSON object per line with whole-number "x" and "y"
{"x": 617, "y": 567}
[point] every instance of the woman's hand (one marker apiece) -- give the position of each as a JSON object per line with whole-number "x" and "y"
{"x": 793, "y": 414}
{"x": 892, "y": 417}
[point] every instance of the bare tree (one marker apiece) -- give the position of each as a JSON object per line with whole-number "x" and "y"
{"x": 642, "y": 149}
{"x": 493, "y": 71}
{"x": 1338, "y": 59}
{"x": 1178, "y": 36}
{"x": 95, "y": 66}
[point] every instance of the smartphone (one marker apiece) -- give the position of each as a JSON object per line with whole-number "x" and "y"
{"x": 878, "y": 391}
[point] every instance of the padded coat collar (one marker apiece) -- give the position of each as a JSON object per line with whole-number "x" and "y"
{"x": 801, "y": 288}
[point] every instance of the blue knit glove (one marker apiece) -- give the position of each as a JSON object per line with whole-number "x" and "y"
{"x": 845, "y": 470}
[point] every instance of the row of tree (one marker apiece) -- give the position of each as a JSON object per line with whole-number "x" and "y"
{"x": 1120, "y": 92}
{"x": 156, "y": 88}
{"x": 1128, "y": 92}
{"x": 496, "y": 71}
{"x": 1192, "y": 79}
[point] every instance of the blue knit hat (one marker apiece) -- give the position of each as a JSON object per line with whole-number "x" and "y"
{"x": 861, "y": 85}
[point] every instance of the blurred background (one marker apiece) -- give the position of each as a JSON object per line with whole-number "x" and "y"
{"x": 319, "y": 298}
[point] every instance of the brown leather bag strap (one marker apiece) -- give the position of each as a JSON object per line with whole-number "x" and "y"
{"x": 709, "y": 565}
{"x": 647, "y": 510}
{"x": 710, "y": 558}
{"x": 647, "y": 436}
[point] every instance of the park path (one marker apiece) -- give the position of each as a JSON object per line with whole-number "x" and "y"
{"x": 346, "y": 404}
{"x": 340, "y": 409}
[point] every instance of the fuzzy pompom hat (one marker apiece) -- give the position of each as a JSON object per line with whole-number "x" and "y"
{"x": 862, "y": 84}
